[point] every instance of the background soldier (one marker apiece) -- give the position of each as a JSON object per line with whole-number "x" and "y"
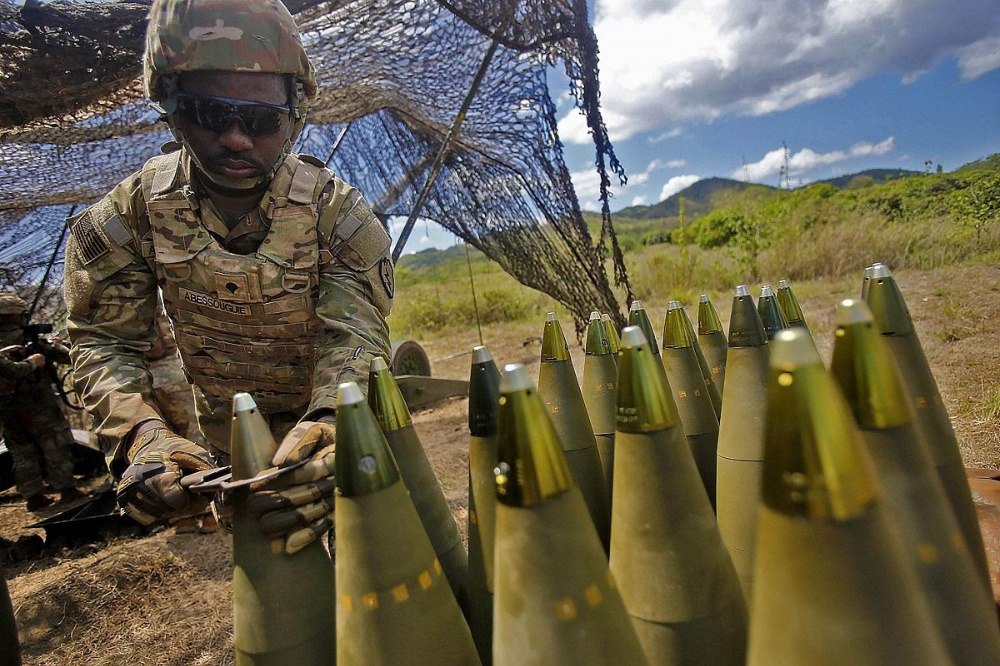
{"x": 274, "y": 273}
{"x": 35, "y": 428}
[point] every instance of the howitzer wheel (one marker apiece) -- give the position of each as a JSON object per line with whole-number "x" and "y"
{"x": 409, "y": 358}
{"x": 66, "y": 390}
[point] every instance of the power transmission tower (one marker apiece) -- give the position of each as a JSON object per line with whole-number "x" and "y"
{"x": 784, "y": 177}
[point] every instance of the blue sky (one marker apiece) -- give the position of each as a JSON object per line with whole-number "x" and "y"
{"x": 696, "y": 88}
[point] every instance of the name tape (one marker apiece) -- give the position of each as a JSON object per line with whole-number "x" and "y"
{"x": 211, "y": 302}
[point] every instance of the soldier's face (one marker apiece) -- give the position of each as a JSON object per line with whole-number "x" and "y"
{"x": 240, "y": 150}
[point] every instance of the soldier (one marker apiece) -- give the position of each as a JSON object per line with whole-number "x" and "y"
{"x": 35, "y": 428}
{"x": 274, "y": 273}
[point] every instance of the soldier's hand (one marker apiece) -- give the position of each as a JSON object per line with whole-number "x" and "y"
{"x": 298, "y": 506}
{"x": 150, "y": 490}
{"x": 55, "y": 348}
{"x": 37, "y": 359}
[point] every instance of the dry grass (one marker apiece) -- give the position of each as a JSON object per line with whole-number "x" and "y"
{"x": 160, "y": 600}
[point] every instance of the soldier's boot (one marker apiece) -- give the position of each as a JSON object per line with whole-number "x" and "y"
{"x": 209, "y": 524}
{"x": 185, "y": 525}
{"x": 38, "y": 502}
{"x": 58, "y": 460}
{"x": 71, "y": 494}
{"x": 27, "y": 466}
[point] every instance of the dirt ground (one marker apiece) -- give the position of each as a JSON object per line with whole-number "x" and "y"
{"x": 165, "y": 599}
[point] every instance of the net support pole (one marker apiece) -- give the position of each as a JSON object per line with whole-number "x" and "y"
{"x": 336, "y": 143}
{"x": 48, "y": 266}
{"x": 396, "y": 190}
{"x": 475, "y": 301}
{"x": 452, "y": 134}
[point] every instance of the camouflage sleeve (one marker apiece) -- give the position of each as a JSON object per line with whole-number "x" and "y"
{"x": 356, "y": 286}
{"x": 111, "y": 297}
{"x": 14, "y": 370}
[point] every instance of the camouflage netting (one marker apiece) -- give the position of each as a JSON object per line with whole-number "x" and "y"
{"x": 393, "y": 77}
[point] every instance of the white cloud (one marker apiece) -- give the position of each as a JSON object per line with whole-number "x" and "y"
{"x": 766, "y": 166}
{"x": 677, "y": 184}
{"x": 643, "y": 176}
{"x": 564, "y": 98}
{"x": 976, "y": 59}
{"x": 669, "y": 134}
{"x": 665, "y": 63}
{"x": 638, "y": 201}
{"x": 587, "y": 184}
{"x": 880, "y": 148}
{"x": 573, "y": 126}
{"x": 807, "y": 159}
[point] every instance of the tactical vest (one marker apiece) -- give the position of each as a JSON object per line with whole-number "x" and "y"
{"x": 241, "y": 322}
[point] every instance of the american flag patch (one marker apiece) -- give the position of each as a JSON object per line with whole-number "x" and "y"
{"x": 92, "y": 244}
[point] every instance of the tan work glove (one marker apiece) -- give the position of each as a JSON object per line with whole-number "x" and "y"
{"x": 298, "y": 506}
{"x": 150, "y": 488}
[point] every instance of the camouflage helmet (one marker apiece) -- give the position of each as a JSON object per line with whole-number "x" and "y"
{"x": 223, "y": 35}
{"x": 12, "y": 304}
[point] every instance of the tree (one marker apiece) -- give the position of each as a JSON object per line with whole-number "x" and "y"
{"x": 746, "y": 234}
{"x": 977, "y": 207}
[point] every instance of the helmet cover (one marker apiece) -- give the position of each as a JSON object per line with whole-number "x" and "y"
{"x": 223, "y": 35}
{"x": 12, "y": 304}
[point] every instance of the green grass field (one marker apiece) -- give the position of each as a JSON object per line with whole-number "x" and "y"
{"x": 747, "y": 236}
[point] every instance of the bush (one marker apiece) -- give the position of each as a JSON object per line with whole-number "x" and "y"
{"x": 977, "y": 206}
{"x": 717, "y": 228}
{"x": 658, "y": 237}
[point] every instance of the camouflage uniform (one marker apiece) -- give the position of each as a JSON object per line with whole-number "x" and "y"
{"x": 284, "y": 302}
{"x": 35, "y": 428}
{"x": 287, "y": 322}
{"x": 171, "y": 391}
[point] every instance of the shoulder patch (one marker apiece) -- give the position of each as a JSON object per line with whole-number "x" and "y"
{"x": 366, "y": 246}
{"x": 93, "y": 245}
{"x": 104, "y": 241}
{"x": 358, "y": 215}
{"x": 386, "y": 272}
{"x": 116, "y": 230}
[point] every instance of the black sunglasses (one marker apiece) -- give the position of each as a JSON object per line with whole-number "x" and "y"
{"x": 218, "y": 113}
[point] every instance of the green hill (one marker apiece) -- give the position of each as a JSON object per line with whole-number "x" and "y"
{"x": 868, "y": 177}
{"x": 895, "y": 203}
{"x": 991, "y": 163}
{"x": 703, "y": 196}
{"x": 699, "y": 198}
